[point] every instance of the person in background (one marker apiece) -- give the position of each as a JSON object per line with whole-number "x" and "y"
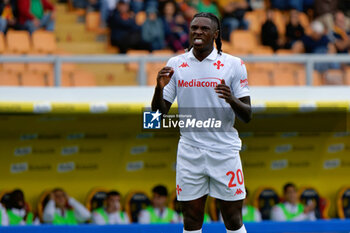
{"x": 64, "y": 210}
{"x": 125, "y": 33}
{"x": 288, "y": 4}
{"x": 111, "y": 213}
{"x": 152, "y": 30}
{"x": 18, "y": 212}
{"x": 233, "y": 17}
{"x": 269, "y": 32}
{"x": 36, "y": 14}
{"x": 175, "y": 27}
{"x": 291, "y": 209}
{"x": 249, "y": 212}
{"x": 158, "y": 212}
{"x": 8, "y": 14}
{"x": 340, "y": 35}
{"x": 324, "y": 11}
{"x": 4, "y": 220}
{"x": 207, "y": 6}
{"x": 317, "y": 43}
{"x": 294, "y": 30}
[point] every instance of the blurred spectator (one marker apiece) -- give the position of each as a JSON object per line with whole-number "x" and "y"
{"x": 288, "y": 4}
{"x": 340, "y": 35}
{"x": 36, "y": 14}
{"x": 111, "y": 213}
{"x": 187, "y": 9}
{"x": 317, "y": 43}
{"x": 291, "y": 209}
{"x": 233, "y": 17}
{"x": 249, "y": 212}
{"x": 158, "y": 212}
{"x": 94, "y": 5}
{"x": 64, "y": 210}
{"x": 4, "y": 221}
{"x": 18, "y": 212}
{"x": 125, "y": 33}
{"x": 152, "y": 30}
{"x": 8, "y": 14}
{"x": 294, "y": 30}
{"x": 257, "y": 4}
{"x": 269, "y": 32}
{"x": 107, "y": 6}
{"x": 207, "y": 6}
{"x": 175, "y": 27}
{"x": 324, "y": 10}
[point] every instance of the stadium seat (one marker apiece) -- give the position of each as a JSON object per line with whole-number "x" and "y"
{"x": 264, "y": 199}
{"x": 304, "y": 21}
{"x": 18, "y": 42}
{"x": 259, "y": 78}
{"x": 284, "y": 52}
{"x": 8, "y": 79}
{"x": 334, "y": 77}
{"x": 41, "y": 68}
{"x": 83, "y": 78}
{"x": 92, "y": 21}
{"x": 307, "y": 194}
{"x": 280, "y": 21}
{"x": 152, "y": 70}
{"x": 343, "y": 203}
{"x": 283, "y": 78}
{"x": 43, "y": 199}
{"x": 2, "y": 43}
{"x": 163, "y": 52}
{"x": 15, "y": 68}
{"x": 66, "y": 79}
{"x": 140, "y": 17}
{"x": 32, "y": 79}
{"x": 44, "y": 42}
{"x": 263, "y": 50}
{"x": 134, "y": 202}
{"x": 134, "y": 66}
{"x": 347, "y": 77}
{"x": 244, "y": 41}
{"x": 96, "y": 198}
{"x": 255, "y": 20}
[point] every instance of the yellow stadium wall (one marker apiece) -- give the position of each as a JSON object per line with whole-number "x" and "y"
{"x": 79, "y": 152}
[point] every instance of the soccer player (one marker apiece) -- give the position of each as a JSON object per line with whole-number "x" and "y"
{"x": 207, "y": 162}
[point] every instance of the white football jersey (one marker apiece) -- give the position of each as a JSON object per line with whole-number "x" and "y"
{"x": 193, "y": 84}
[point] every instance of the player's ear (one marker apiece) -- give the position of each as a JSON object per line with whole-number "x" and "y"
{"x": 216, "y": 34}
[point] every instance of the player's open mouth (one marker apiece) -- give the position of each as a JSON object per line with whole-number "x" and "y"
{"x": 197, "y": 41}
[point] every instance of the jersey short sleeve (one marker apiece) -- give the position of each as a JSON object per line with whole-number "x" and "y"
{"x": 239, "y": 85}
{"x": 169, "y": 91}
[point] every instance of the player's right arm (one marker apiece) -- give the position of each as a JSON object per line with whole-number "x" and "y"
{"x": 163, "y": 78}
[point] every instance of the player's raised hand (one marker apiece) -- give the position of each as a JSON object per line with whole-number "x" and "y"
{"x": 164, "y": 76}
{"x": 224, "y": 91}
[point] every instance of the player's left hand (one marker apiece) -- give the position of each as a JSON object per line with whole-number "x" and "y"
{"x": 224, "y": 91}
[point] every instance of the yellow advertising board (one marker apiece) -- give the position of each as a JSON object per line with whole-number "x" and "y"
{"x": 81, "y": 146}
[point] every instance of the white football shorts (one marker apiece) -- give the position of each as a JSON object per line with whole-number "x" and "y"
{"x": 201, "y": 171}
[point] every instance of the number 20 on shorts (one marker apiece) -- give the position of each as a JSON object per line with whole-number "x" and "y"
{"x": 238, "y": 174}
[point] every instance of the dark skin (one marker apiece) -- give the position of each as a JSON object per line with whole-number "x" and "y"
{"x": 206, "y": 30}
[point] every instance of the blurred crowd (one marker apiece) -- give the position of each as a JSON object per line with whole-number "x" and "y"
{"x": 166, "y": 25}
{"x": 58, "y": 208}
{"x": 28, "y": 15}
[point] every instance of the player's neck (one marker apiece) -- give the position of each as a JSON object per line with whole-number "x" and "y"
{"x": 202, "y": 54}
